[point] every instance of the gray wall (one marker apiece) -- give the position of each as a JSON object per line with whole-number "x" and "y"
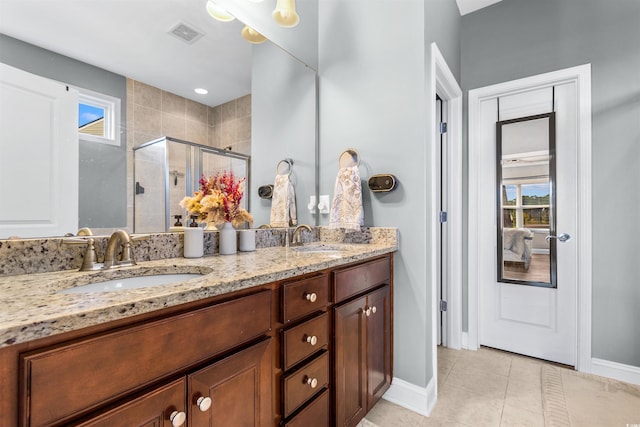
{"x": 374, "y": 96}
{"x": 519, "y": 38}
{"x": 283, "y": 98}
{"x": 103, "y": 168}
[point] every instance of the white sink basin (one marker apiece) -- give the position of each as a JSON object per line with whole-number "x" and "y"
{"x": 317, "y": 248}
{"x": 130, "y": 283}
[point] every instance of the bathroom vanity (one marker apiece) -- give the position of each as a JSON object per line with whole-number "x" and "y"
{"x": 269, "y": 338}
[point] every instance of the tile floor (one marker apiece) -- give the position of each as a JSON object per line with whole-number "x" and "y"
{"x": 491, "y": 388}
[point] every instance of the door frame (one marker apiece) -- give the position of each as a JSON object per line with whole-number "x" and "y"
{"x": 581, "y": 75}
{"x": 445, "y": 85}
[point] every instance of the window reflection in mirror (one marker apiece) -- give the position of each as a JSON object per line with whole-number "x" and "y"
{"x": 526, "y": 200}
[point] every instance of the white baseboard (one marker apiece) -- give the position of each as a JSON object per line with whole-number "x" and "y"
{"x": 615, "y": 370}
{"x": 410, "y": 396}
{"x": 465, "y": 340}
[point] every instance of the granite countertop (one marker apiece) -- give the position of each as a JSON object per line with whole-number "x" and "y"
{"x": 32, "y": 308}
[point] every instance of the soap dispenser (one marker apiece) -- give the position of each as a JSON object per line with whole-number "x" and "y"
{"x": 193, "y": 240}
{"x": 177, "y": 227}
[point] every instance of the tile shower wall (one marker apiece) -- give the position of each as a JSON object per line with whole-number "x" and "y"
{"x": 153, "y": 113}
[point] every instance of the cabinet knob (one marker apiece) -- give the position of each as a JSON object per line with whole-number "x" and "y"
{"x": 312, "y": 382}
{"x": 204, "y": 403}
{"x": 313, "y": 340}
{"x": 312, "y": 297}
{"x": 367, "y": 311}
{"x": 177, "y": 418}
{"x": 373, "y": 310}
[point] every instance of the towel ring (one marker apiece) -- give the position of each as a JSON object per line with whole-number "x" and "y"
{"x": 349, "y": 158}
{"x": 284, "y": 167}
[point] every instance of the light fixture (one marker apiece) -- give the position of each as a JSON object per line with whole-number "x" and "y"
{"x": 218, "y": 13}
{"x": 201, "y": 91}
{"x": 285, "y": 13}
{"x": 252, "y": 36}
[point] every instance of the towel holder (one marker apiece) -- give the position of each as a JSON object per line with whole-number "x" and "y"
{"x": 284, "y": 167}
{"x": 349, "y": 158}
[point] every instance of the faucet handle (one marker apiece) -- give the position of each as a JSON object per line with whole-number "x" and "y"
{"x": 138, "y": 237}
{"x": 90, "y": 260}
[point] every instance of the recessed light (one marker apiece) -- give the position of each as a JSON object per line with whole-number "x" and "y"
{"x": 201, "y": 91}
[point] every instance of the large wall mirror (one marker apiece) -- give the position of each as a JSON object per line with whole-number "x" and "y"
{"x": 526, "y": 171}
{"x": 283, "y": 126}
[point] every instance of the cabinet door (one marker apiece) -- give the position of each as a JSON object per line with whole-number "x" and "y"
{"x": 378, "y": 344}
{"x": 154, "y": 409}
{"x": 235, "y": 391}
{"x": 350, "y": 363}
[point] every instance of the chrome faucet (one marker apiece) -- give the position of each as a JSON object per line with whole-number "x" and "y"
{"x": 296, "y": 237}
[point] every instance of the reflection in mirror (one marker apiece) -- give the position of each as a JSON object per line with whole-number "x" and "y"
{"x": 168, "y": 169}
{"x": 526, "y": 200}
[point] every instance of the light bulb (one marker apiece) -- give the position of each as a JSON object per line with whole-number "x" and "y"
{"x": 285, "y": 13}
{"x": 252, "y": 36}
{"x": 218, "y": 13}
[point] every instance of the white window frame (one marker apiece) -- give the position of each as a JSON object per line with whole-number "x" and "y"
{"x": 111, "y": 107}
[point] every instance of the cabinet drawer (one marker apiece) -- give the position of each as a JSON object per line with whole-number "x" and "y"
{"x": 305, "y": 339}
{"x": 64, "y": 381}
{"x": 304, "y": 296}
{"x": 315, "y": 414}
{"x": 299, "y": 386}
{"x": 354, "y": 280}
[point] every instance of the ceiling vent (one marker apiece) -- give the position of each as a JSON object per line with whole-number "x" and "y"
{"x": 186, "y": 33}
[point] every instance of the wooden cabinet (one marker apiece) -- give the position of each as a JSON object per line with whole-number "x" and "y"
{"x": 152, "y": 409}
{"x": 309, "y": 351}
{"x": 235, "y": 391}
{"x": 73, "y": 379}
{"x": 362, "y": 341}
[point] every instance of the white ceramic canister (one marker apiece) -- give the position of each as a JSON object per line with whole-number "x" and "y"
{"x": 228, "y": 239}
{"x": 193, "y": 242}
{"x": 247, "y": 240}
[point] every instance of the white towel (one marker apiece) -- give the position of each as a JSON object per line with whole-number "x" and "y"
{"x": 283, "y": 203}
{"x": 346, "y": 207}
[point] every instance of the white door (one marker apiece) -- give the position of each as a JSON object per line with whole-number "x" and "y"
{"x": 38, "y": 155}
{"x": 527, "y": 277}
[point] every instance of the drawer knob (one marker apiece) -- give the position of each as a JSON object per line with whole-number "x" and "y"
{"x": 312, "y": 382}
{"x": 313, "y": 340}
{"x": 312, "y": 297}
{"x": 204, "y": 403}
{"x": 177, "y": 418}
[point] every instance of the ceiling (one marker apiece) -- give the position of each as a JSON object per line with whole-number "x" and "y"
{"x": 468, "y": 6}
{"x": 123, "y": 36}
{"x": 131, "y": 38}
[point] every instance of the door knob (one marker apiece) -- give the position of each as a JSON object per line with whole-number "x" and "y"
{"x": 177, "y": 418}
{"x": 563, "y": 237}
{"x": 204, "y": 403}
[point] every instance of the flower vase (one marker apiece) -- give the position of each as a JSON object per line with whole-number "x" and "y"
{"x": 228, "y": 241}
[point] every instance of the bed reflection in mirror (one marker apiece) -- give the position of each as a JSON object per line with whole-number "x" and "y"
{"x": 526, "y": 200}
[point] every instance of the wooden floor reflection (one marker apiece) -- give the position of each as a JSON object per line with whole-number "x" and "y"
{"x": 539, "y": 269}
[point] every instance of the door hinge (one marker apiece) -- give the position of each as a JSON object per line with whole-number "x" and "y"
{"x": 443, "y": 127}
{"x": 443, "y": 217}
{"x": 443, "y": 305}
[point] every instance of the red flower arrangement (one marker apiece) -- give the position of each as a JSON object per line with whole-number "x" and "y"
{"x": 219, "y": 200}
